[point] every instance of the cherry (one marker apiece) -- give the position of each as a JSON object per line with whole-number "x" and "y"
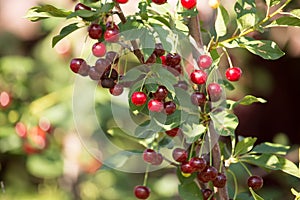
{"x": 159, "y": 49}
{"x": 141, "y": 192}
{"x": 108, "y": 83}
{"x": 95, "y": 31}
{"x": 161, "y": 93}
{"x": 170, "y": 107}
{"x": 111, "y": 25}
{"x": 214, "y": 91}
{"x": 151, "y": 59}
{"x": 220, "y": 180}
{"x": 188, "y": 4}
{"x": 208, "y": 174}
{"x": 150, "y": 156}
{"x": 172, "y": 59}
{"x": 180, "y": 155}
{"x": 102, "y": 65}
{"x": 186, "y": 168}
{"x": 163, "y": 60}
{"x": 81, "y": 6}
{"x": 178, "y": 68}
{"x": 117, "y": 90}
{"x": 111, "y": 73}
{"x": 111, "y": 35}
{"x": 112, "y": 56}
{"x": 122, "y": 1}
{"x": 207, "y": 193}
{"x": 76, "y": 64}
{"x": 93, "y": 74}
{"x": 182, "y": 84}
{"x": 173, "y": 132}
{"x": 138, "y": 98}
{"x": 198, "y": 76}
{"x": 159, "y": 2}
{"x": 199, "y": 164}
{"x": 99, "y": 49}
{"x": 198, "y": 98}
{"x": 204, "y": 61}
{"x": 233, "y": 73}
{"x": 255, "y": 182}
{"x": 155, "y": 105}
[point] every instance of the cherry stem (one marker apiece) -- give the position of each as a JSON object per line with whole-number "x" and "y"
{"x": 235, "y": 183}
{"x": 146, "y": 175}
{"x": 246, "y": 168}
{"x": 228, "y": 57}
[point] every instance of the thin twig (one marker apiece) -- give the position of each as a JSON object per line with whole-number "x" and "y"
{"x": 134, "y": 44}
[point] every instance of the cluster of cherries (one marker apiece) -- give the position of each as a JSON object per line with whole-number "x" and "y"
{"x": 34, "y": 139}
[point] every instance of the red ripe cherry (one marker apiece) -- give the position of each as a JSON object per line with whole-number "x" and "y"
{"x": 108, "y": 83}
{"x": 122, "y": 1}
{"x": 186, "y": 168}
{"x": 99, "y": 49}
{"x": 173, "y": 132}
{"x": 255, "y": 182}
{"x": 208, "y": 174}
{"x": 155, "y": 105}
{"x": 95, "y": 31}
{"x": 207, "y": 193}
{"x": 151, "y": 59}
{"x": 182, "y": 84}
{"x": 159, "y": 2}
{"x": 76, "y": 64}
{"x": 81, "y": 6}
{"x": 199, "y": 164}
{"x": 149, "y": 155}
{"x": 117, "y": 90}
{"x": 204, "y": 61}
{"x": 198, "y": 98}
{"x": 233, "y": 73}
{"x": 198, "y": 76}
{"x": 159, "y": 49}
{"x": 161, "y": 93}
{"x": 141, "y": 192}
{"x": 158, "y": 159}
{"x": 163, "y": 60}
{"x": 220, "y": 180}
{"x": 138, "y": 98}
{"x": 188, "y": 4}
{"x": 214, "y": 91}
{"x": 111, "y": 35}
{"x": 172, "y": 59}
{"x": 180, "y": 155}
{"x": 170, "y": 107}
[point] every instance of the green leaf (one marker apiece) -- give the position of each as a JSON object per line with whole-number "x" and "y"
{"x": 271, "y": 148}
{"x": 148, "y": 44}
{"x": 163, "y": 35}
{"x": 221, "y": 21}
{"x": 228, "y": 85}
{"x": 271, "y": 3}
{"x": 190, "y": 191}
{"x": 119, "y": 159}
{"x": 64, "y": 32}
{"x": 85, "y": 14}
{"x": 193, "y": 132}
{"x": 246, "y": 13}
{"x": 105, "y": 8}
{"x": 45, "y": 11}
{"x": 244, "y": 146}
{"x": 285, "y": 22}
{"x": 245, "y": 101}
{"x": 189, "y": 13}
{"x": 264, "y": 48}
{"x": 272, "y": 162}
{"x": 255, "y": 196}
{"x": 295, "y": 13}
{"x": 225, "y": 123}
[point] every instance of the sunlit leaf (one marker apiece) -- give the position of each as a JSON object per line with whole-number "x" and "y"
{"x": 268, "y": 147}
{"x": 244, "y": 146}
{"x": 221, "y": 21}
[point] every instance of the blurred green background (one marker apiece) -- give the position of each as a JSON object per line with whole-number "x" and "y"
{"x": 36, "y": 88}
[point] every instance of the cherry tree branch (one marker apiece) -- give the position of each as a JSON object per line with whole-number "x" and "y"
{"x": 195, "y": 32}
{"x": 134, "y": 44}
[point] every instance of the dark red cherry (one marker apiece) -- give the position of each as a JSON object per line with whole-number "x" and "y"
{"x": 214, "y": 91}
{"x": 172, "y": 59}
{"x": 95, "y": 31}
{"x": 141, "y": 192}
{"x": 161, "y": 93}
{"x": 180, "y": 155}
{"x": 81, "y": 6}
{"x": 159, "y": 49}
{"x": 169, "y": 107}
{"x": 111, "y": 35}
{"x": 186, "y": 168}
{"x": 220, "y": 180}
{"x": 174, "y": 132}
{"x": 255, "y": 182}
{"x": 199, "y": 164}
{"x": 117, "y": 90}
{"x": 159, "y": 2}
{"x": 198, "y": 98}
